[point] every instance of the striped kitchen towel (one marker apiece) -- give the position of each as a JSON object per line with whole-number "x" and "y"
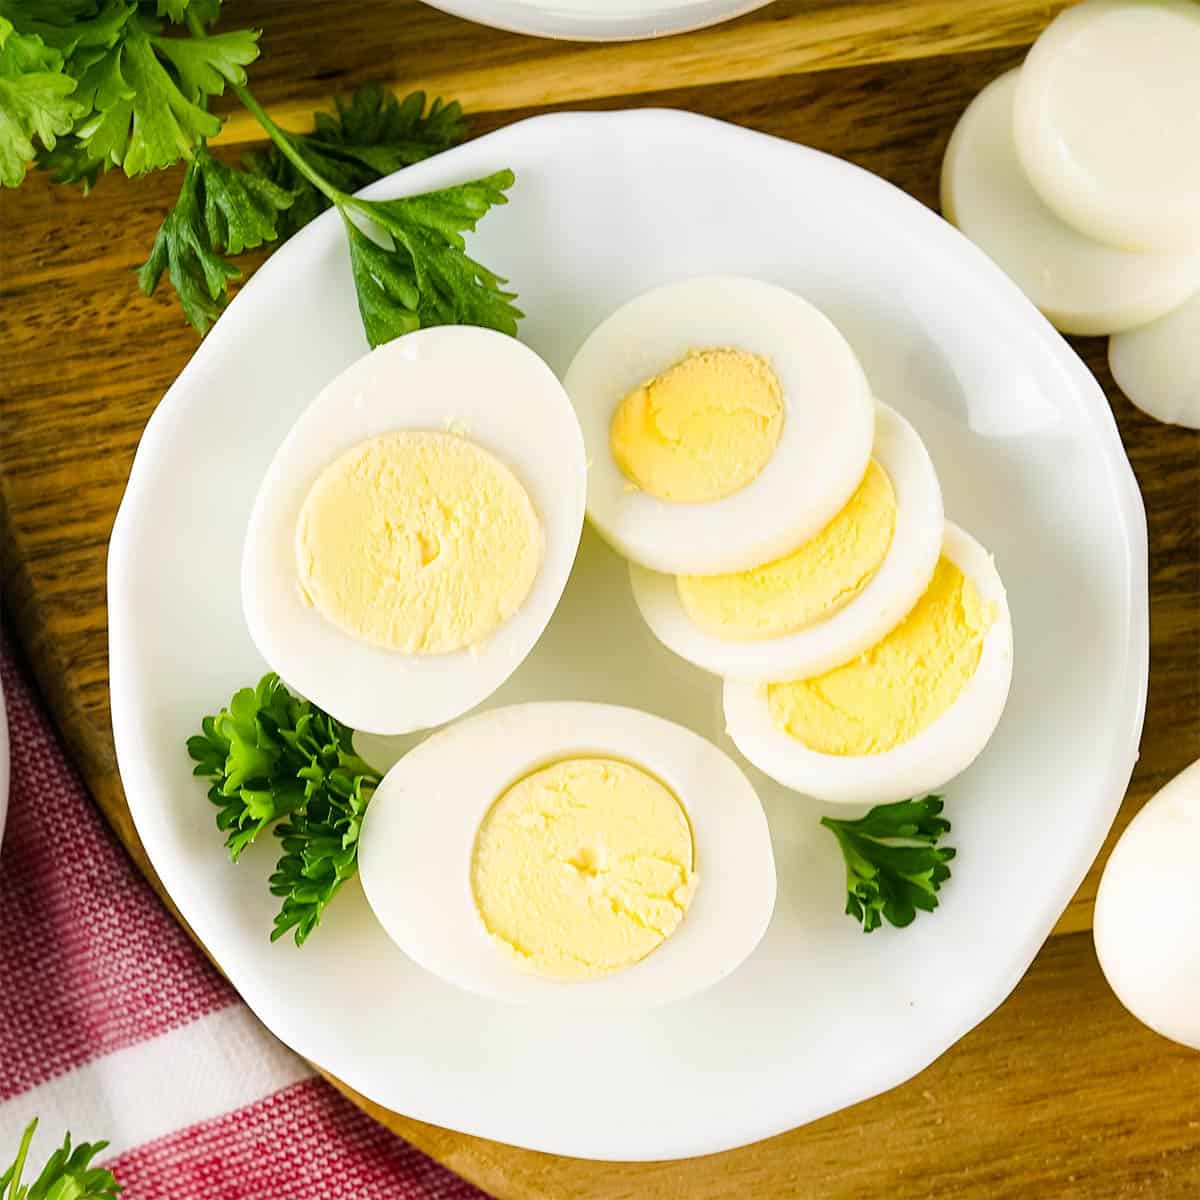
{"x": 113, "y": 1025}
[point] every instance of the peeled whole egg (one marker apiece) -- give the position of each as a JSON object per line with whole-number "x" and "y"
{"x": 1158, "y": 365}
{"x": 883, "y": 601}
{"x": 415, "y": 530}
{"x": 1082, "y": 285}
{"x": 923, "y": 762}
{"x": 1147, "y": 916}
{"x": 587, "y": 881}
{"x": 807, "y": 467}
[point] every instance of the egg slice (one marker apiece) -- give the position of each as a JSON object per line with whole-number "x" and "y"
{"x": 726, "y": 421}
{"x": 415, "y": 530}
{"x": 1106, "y": 121}
{"x": 1148, "y": 912}
{"x": 845, "y": 588}
{"x": 1158, "y": 365}
{"x": 908, "y": 714}
{"x": 570, "y": 853}
{"x": 1082, "y": 285}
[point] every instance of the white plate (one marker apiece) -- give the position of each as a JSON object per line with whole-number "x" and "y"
{"x": 598, "y": 20}
{"x": 606, "y": 206}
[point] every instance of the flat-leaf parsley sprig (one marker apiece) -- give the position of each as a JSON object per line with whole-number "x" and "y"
{"x": 894, "y": 865}
{"x": 278, "y": 761}
{"x": 91, "y": 85}
{"x": 67, "y": 1175}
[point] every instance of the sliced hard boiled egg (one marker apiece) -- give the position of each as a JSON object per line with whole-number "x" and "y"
{"x": 415, "y": 530}
{"x": 570, "y": 853}
{"x": 1082, "y": 285}
{"x": 1106, "y": 121}
{"x": 826, "y": 601}
{"x": 1148, "y": 911}
{"x": 726, "y": 421}
{"x": 1158, "y": 365}
{"x": 908, "y": 714}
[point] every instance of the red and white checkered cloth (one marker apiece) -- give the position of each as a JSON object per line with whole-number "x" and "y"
{"x": 113, "y": 1025}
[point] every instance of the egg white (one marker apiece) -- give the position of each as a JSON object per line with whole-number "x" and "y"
{"x": 1158, "y": 365}
{"x": 500, "y": 395}
{"x": 922, "y": 764}
{"x": 883, "y": 603}
{"x": 822, "y": 452}
{"x": 1082, "y": 285}
{"x": 1148, "y": 911}
{"x": 419, "y": 834}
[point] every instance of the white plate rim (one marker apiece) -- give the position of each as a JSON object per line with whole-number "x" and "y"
{"x": 1133, "y": 655}
{"x": 535, "y": 20}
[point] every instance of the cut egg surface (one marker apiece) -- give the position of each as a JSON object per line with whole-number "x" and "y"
{"x": 1158, "y": 365}
{"x": 906, "y": 716}
{"x": 726, "y": 421}
{"x": 828, "y": 599}
{"x": 1148, "y": 912}
{"x": 416, "y": 528}
{"x": 1107, "y": 121}
{"x": 1082, "y": 285}
{"x": 570, "y": 854}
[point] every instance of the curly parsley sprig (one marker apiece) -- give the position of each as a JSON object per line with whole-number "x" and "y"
{"x": 271, "y": 755}
{"x": 91, "y": 85}
{"x": 894, "y": 865}
{"x": 67, "y": 1175}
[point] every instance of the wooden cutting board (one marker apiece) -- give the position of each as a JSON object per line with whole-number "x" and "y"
{"x": 1060, "y": 1093}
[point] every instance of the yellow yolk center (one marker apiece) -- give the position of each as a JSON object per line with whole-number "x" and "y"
{"x": 806, "y": 586}
{"x": 898, "y": 687}
{"x": 419, "y": 542}
{"x": 701, "y": 430}
{"x": 583, "y": 868}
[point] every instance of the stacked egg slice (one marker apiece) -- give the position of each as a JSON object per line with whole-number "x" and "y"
{"x": 1079, "y": 174}
{"x": 785, "y": 531}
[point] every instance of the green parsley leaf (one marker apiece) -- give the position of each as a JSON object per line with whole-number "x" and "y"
{"x": 184, "y": 249}
{"x": 893, "y": 864}
{"x": 220, "y": 210}
{"x": 371, "y": 135}
{"x": 425, "y": 277}
{"x": 35, "y": 100}
{"x": 204, "y": 65}
{"x": 70, "y": 162}
{"x": 271, "y": 755}
{"x": 241, "y": 210}
{"x": 67, "y": 1175}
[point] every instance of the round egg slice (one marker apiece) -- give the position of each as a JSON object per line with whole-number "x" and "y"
{"x": 1148, "y": 912}
{"x": 826, "y": 601}
{"x": 908, "y": 714}
{"x": 726, "y": 421}
{"x": 1083, "y": 286}
{"x": 1106, "y": 126}
{"x": 415, "y": 530}
{"x": 1158, "y": 365}
{"x": 572, "y": 854}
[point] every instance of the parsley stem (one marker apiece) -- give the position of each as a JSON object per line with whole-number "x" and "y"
{"x": 287, "y": 149}
{"x": 19, "y": 1165}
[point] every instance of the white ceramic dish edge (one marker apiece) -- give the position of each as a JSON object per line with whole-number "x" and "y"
{"x": 536, "y": 20}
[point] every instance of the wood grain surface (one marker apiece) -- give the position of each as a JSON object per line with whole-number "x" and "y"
{"x": 1060, "y": 1093}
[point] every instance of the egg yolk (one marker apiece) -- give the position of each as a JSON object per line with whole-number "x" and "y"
{"x": 898, "y": 687}
{"x": 420, "y": 542}
{"x": 701, "y": 430}
{"x": 583, "y": 868}
{"x": 806, "y": 586}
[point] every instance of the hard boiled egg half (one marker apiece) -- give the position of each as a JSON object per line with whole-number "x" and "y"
{"x": 906, "y": 715}
{"x": 726, "y": 421}
{"x": 570, "y": 853}
{"x": 415, "y": 530}
{"x": 829, "y": 598}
